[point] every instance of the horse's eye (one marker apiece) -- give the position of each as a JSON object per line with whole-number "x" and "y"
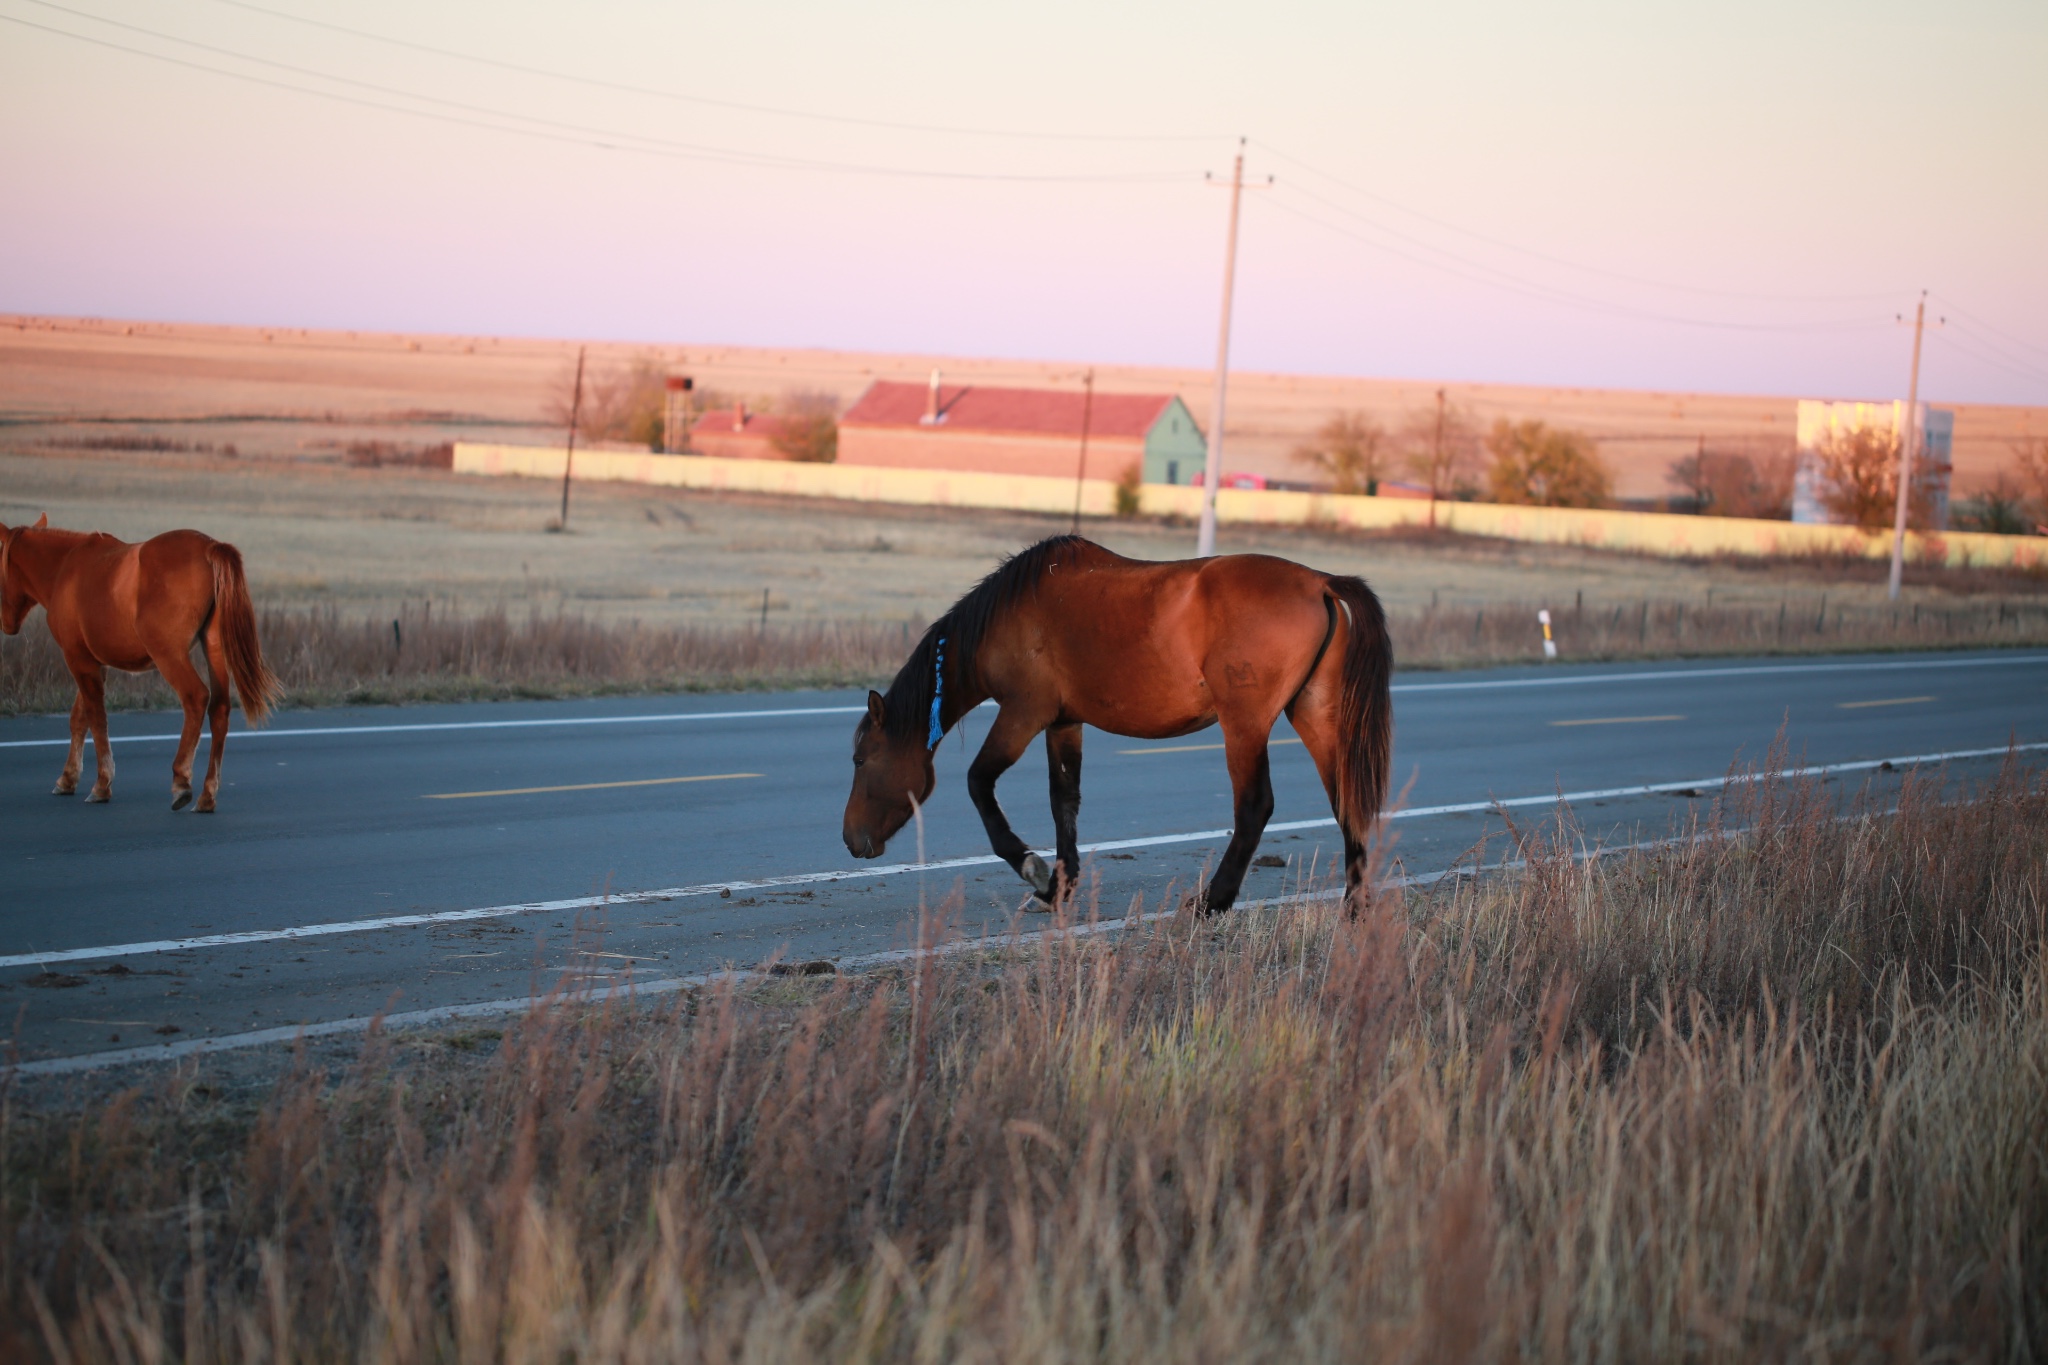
{"x": 858, "y": 760}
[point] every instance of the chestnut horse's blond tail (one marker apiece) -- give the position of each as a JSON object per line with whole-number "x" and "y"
{"x": 235, "y": 614}
{"x": 1365, "y": 725}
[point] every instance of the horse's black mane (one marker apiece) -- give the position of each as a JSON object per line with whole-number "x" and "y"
{"x": 907, "y": 705}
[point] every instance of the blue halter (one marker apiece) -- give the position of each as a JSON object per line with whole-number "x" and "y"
{"x": 938, "y": 731}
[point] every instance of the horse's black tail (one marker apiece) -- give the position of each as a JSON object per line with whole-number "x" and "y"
{"x": 1365, "y": 727}
{"x": 235, "y": 615}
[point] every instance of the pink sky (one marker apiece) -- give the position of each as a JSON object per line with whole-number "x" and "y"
{"x": 1736, "y": 197}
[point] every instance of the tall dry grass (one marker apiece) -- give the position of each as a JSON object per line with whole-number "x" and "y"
{"x": 435, "y": 653}
{"x": 432, "y": 653}
{"x": 1777, "y": 1093}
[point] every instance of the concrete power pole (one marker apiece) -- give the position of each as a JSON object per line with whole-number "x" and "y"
{"x": 1205, "y": 539}
{"x": 1907, "y": 443}
{"x": 575, "y": 416}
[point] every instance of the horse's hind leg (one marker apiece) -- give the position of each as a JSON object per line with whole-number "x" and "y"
{"x": 999, "y": 752}
{"x": 185, "y": 681}
{"x": 1251, "y": 779}
{"x": 217, "y": 712}
{"x": 1063, "y": 766}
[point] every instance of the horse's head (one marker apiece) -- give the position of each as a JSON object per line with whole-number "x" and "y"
{"x": 892, "y": 774}
{"x": 14, "y": 598}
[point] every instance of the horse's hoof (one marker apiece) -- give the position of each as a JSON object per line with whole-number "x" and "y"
{"x": 205, "y": 806}
{"x": 181, "y": 798}
{"x": 64, "y": 789}
{"x": 1034, "y": 870}
{"x": 99, "y": 796}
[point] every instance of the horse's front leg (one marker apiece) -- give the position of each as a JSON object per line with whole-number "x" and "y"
{"x": 1003, "y": 747}
{"x": 1251, "y": 779}
{"x": 74, "y": 762}
{"x": 1063, "y": 767}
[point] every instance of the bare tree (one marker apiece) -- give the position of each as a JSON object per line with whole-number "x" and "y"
{"x": 620, "y": 402}
{"x": 1859, "y": 480}
{"x": 1439, "y": 444}
{"x": 2031, "y": 460}
{"x": 1735, "y": 483}
{"x": 1349, "y": 449}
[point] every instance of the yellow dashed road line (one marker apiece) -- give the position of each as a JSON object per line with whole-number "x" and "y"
{"x": 1192, "y": 748}
{"x": 586, "y": 786}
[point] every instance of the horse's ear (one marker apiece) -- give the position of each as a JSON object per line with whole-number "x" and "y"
{"x": 875, "y": 712}
{"x": 42, "y": 522}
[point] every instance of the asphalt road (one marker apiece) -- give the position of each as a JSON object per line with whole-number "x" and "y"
{"x": 512, "y": 843}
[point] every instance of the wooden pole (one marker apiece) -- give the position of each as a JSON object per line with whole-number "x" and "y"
{"x": 1081, "y": 469}
{"x": 575, "y": 416}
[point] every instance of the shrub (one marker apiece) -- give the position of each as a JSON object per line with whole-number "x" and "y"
{"x": 1127, "y": 484}
{"x": 1541, "y": 466}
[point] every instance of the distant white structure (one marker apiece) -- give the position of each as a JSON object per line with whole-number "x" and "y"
{"x": 1820, "y": 418}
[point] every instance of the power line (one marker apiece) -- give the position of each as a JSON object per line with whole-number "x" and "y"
{"x": 1498, "y": 279}
{"x": 706, "y": 101}
{"x": 2021, "y": 363}
{"x": 1951, "y": 306}
{"x": 570, "y": 133}
{"x": 2038, "y": 376}
{"x": 1559, "y": 260}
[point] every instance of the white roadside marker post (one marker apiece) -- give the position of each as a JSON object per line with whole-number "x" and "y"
{"x": 1549, "y": 645}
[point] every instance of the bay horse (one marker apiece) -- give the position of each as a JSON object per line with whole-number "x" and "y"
{"x": 1068, "y": 633}
{"x": 111, "y": 604}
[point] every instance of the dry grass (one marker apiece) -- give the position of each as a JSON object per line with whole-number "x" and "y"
{"x": 1772, "y": 1094}
{"x": 438, "y": 654}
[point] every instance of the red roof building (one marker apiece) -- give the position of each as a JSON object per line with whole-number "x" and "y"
{"x": 1020, "y": 431}
{"x": 736, "y": 434}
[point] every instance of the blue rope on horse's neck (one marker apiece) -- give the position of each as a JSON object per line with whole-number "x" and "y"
{"x": 938, "y": 731}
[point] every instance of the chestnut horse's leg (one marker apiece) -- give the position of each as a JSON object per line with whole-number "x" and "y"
{"x": 74, "y": 762}
{"x": 1005, "y": 744}
{"x": 1315, "y": 720}
{"x": 217, "y": 711}
{"x": 1251, "y": 779}
{"x": 1063, "y": 765}
{"x": 184, "y": 680}
{"x": 92, "y": 697}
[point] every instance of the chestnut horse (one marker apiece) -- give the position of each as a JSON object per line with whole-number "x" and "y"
{"x": 1068, "y": 633}
{"x": 137, "y": 607}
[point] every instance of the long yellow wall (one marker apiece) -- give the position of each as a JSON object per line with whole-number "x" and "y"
{"x": 1639, "y": 532}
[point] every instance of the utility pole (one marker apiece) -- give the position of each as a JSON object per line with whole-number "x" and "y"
{"x": 575, "y": 416}
{"x": 1436, "y": 458}
{"x": 1081, "y": 469}
{"x": 1906, "y": 452}
{"x": 1205, "y": 538}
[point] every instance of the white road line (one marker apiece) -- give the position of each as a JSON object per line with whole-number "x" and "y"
{"x": 1746, "y": 671}
{"x": 673, "y": 893}
{"x": 288, "y": 732}
{"x": 634, "y": 990}
{"x": 1660, "y": 675}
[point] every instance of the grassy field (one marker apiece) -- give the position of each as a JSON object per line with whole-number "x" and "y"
{"x": 1776, "y": 1092}
{"x": 292, "y": 391}
{"x": 661, "y": 590}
